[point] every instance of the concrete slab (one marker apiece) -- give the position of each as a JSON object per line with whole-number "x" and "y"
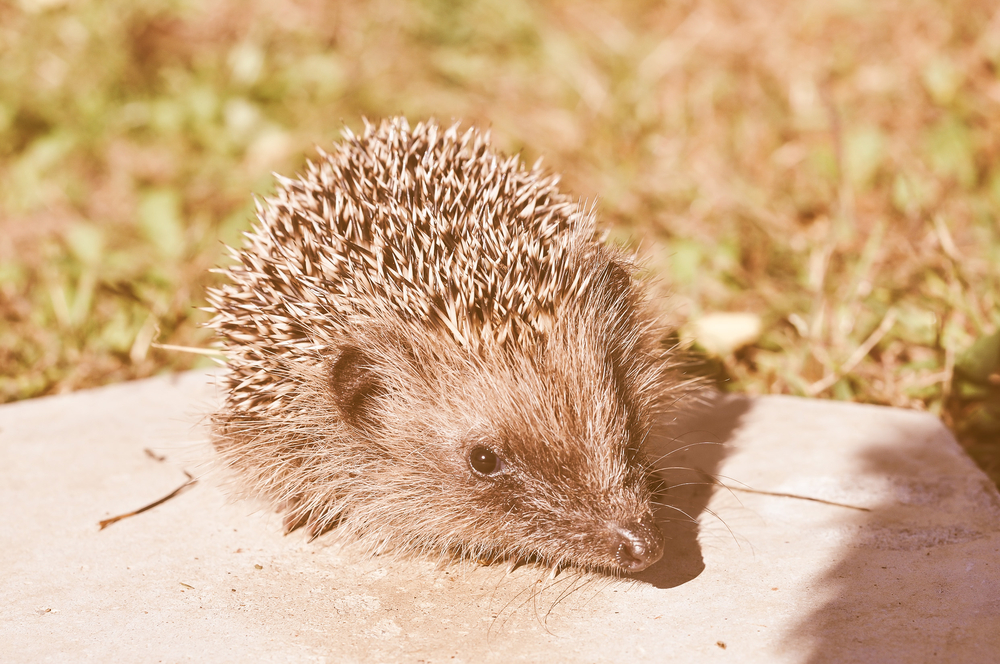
{"x": 905, "y": 569}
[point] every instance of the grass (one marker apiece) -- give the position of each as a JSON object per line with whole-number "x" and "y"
{"x": 829, "y": 169}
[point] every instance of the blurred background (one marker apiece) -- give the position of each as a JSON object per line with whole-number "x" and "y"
{"x": 816, "y": 183}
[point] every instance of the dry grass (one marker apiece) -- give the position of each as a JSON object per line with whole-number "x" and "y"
{"x": 829, "y": 168}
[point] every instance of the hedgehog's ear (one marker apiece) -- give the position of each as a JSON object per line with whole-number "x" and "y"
{"x": 355, "y": 386}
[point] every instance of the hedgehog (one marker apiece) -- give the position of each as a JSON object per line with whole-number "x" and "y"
{"x": 430, "y": 349}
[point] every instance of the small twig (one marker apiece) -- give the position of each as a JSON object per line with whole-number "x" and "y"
{"x": 792, "y": 495}
{"x": 860, "y": 353}
{"x": 190, "y": 480}
{"x": 949, "y": 374}
{"x": 947, "y": 244}
{"x": 965, "y": 284}
{"x": 946, "y": 241}
{"x": 934, "y": 378}
{"x": 190, "y": 349}
{"x": 153, "y": 455}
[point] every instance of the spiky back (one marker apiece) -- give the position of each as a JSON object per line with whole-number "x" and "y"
{"x": 424, "y": 225}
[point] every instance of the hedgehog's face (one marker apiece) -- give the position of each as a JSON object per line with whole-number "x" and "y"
{"x": 557, "y": 454}
{"x": 531, "y": 455}
{"x": 562, "y": 484}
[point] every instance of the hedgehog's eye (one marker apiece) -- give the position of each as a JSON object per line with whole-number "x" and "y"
{"x": 484, "y": 461}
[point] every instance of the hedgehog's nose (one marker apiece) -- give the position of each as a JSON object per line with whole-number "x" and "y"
{"x": 639, "y": 545}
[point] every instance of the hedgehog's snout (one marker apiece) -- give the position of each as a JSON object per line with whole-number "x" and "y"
{"x": 637, "y": 545}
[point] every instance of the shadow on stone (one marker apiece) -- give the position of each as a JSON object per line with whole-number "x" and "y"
{"x": 885, "y": 604}
{"x": 687, "y": 452}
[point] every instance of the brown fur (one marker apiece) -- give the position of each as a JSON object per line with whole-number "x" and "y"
{"x": 416, "y": 296}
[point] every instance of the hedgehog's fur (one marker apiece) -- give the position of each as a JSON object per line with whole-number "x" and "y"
{"x": 415, "y": 296}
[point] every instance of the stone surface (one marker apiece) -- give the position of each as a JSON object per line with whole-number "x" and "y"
{"x": 904, "y": 566}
